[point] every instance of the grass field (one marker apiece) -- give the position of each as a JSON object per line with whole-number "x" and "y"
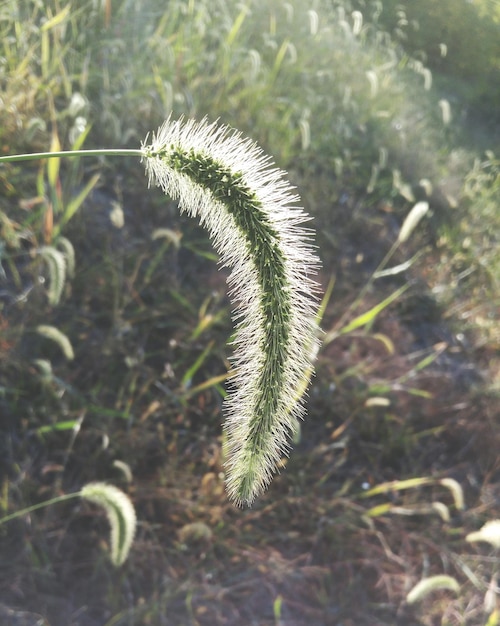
{"x": 396, "y": 463}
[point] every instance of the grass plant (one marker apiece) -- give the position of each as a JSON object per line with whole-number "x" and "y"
{"x": 119, "y": 510}
{"x": 251, "y": 216}
{"x": 395, "y": 472}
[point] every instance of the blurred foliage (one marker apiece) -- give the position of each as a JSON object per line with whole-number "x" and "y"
{"x": 309, "y": 82}
{"x": 489, "y": 9}
{"x": 459, "y": 40}
{"x": 470, "y": 250}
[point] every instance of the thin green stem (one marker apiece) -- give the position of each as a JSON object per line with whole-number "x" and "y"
{"x": 70, "y": 153}
{"x": 41, "y": 505}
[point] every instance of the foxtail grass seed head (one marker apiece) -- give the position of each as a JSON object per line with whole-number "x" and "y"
{"x": 58, "y": 337}
{"x": 427, "y": 74}
{"x": 445, "y": 107}
{"x": 412, "y": 219}
{"x": 357, "y": 18}
{"x": 56, "y": 265}
{"x": 373, "y": 80}
{"x": 426, "y": 185}
{"x": 434, "y": 583}
{"x": 305, "y": 133}
{"x": 252, "y": 217}
{"x": 489, "y": 533}
{"x": 68, "y": 252}
{"x": 289, "y": 11}
{"x": 313, "y": 22}
{"x": 456, "y": 491}
{"x": 121, "y": 516}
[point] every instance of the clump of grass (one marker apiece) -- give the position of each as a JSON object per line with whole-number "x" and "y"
{"x": 471, "y": 251}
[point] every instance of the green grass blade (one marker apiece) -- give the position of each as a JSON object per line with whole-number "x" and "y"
{"x": 369, "y": 316}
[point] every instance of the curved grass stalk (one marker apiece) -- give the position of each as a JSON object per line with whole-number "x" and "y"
{"x": 58, "y": 337}
{"x": 119, "y": 511}
{"x": 252, "y": 217}
{"x": 121, "y": 516}
{"x": 56, "y": 264}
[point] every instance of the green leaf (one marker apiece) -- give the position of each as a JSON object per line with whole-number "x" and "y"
{"x": 370, "y": 315}
{"x": 75, "y": 203}
{"x": 68, "y": 425}
{"x": 188, "y": 376}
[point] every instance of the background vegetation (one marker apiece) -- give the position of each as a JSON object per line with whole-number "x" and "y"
{"x": 114, "y": 321}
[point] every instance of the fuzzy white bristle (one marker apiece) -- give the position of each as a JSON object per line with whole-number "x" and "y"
{"x": 192, "y": 162}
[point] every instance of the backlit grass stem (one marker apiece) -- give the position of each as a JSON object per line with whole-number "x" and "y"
{"x": 69, "y": 153}
{"x": 252, "y": 217}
